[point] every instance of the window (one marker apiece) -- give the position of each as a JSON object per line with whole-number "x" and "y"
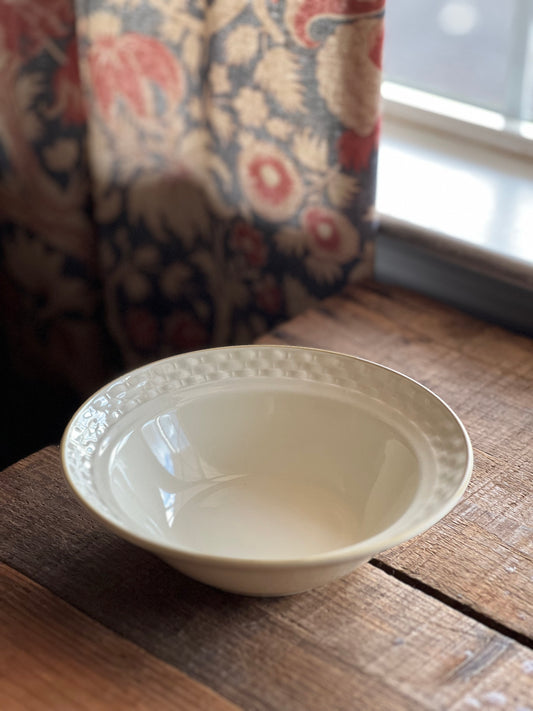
{"x": 455, "y": 175}
{"x": 470, "y": 61}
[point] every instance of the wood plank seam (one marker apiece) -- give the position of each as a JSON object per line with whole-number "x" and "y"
{"x": 463, "y": 608}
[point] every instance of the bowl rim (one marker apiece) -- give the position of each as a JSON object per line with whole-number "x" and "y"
{"x": 363, "y": 549}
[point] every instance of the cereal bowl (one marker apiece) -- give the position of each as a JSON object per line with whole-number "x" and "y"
{"x": 266, "y": 470}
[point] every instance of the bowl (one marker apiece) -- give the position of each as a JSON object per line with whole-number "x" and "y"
{"x": 266, "y": 470}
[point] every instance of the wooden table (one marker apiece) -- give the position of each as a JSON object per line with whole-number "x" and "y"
{"x": 442, "y": 622}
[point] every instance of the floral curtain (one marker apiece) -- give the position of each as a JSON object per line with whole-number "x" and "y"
{"x": 176, "y": 174}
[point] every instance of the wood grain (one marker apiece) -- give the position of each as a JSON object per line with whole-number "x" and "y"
{"x": 481, "y": 554}
{"x": 366, "y": 642}
{"x": 54, "y": 657}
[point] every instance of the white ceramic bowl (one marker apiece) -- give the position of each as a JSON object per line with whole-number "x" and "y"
{"x": 266, "y": 470}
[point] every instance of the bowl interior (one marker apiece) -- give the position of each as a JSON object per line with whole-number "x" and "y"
{"x": 265, "y": 469}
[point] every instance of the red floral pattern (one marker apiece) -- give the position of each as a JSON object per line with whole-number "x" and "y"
{"x": 270, "y": 181}
{"x": 141, "y": 329}
{"x": 269, "y": 297}
{"x": 172, "y": 178}
{"x": 330, "y": 235}
{"x": 307, "y": 11}
{"x": 69, "y": 99}
{"x": 323, "y": 230}
{"x": 126, "y": 65}
{"x": 28, "y": 26}
{"x": 376, "y": 50}
{"x": 186, "y": 333}
{"x": 355, "y": 152}
{"x": 249, "y": 241}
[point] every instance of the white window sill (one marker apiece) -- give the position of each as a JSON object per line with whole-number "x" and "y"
{"x": 467, "y": 203}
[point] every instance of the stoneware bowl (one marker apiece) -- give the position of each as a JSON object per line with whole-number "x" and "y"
{"x": 266, "y": 470}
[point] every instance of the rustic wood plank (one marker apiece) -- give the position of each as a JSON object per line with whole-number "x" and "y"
{"x": 368, "y": 641}
{"x": 54, "y": 657}
{"x": 482, "y": 553}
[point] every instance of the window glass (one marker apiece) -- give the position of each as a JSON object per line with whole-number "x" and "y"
{"x": 528, "y": 77}
{"x": 462, "y": 48}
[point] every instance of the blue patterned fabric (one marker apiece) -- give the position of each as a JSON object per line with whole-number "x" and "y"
{"x": 182, "y": 174}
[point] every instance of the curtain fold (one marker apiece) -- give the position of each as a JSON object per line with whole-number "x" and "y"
{"x": 177, "y": 174}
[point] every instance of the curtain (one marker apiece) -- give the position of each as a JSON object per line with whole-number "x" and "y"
{"x": 179, "y": 174}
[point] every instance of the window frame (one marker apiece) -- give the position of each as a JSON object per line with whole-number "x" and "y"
{"x": 466, "y": 121}
{"x": 484, "y": 280}
{"x": 491, "y": 281}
